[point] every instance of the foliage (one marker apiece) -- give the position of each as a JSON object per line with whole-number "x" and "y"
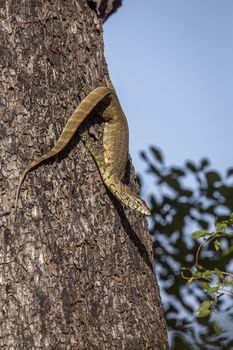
{"x": 189, "y": 198}
{"x": 216, "y": 283}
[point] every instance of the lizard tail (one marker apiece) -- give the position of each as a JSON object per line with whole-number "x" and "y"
{"x": 78, "y": 116}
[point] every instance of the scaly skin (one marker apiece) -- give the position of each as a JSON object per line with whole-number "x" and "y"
{"x": 113, "y": 181}
{"x": 112, "y": 159}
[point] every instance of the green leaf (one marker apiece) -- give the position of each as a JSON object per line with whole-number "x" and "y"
{"x": 205, "y": 308}
{"x": 143, "y": 155}
{"x": 200, "y": 233}
{"x": 177, "y": 172}
{"x": 217, "y": 328}
{"x": 213, "y": 289}
{"x": 203, "y": 273}
{"x": 191, "y": 167}
{"x": 204, "y": 163}
{"x": 157, "y": 154}
{"x": 218, "y": 273}
{"x": 217, "y": 245}
{"x": 173, "y": 183}
{"x": 212, "y": 177}
{"x": 207, "y": 273}
{"x": 204, "y": 285}
{"x": 220, "y": 226}
{"x": 227, "y": 282}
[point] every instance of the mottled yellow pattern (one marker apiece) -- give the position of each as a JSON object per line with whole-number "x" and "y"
{"x": 112, "y": 159}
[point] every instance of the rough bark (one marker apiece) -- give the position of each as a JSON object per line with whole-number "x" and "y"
{"x": 76, "y": 268}
{"x": 104, "y": 8}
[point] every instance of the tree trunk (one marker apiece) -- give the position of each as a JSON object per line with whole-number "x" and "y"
{"x": 76, "y": 267}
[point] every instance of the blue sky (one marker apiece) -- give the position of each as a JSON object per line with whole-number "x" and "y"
{"x": 171, "y": 62}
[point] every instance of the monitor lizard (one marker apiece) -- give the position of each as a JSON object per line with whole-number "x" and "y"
{"x": 111, "y": 159}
